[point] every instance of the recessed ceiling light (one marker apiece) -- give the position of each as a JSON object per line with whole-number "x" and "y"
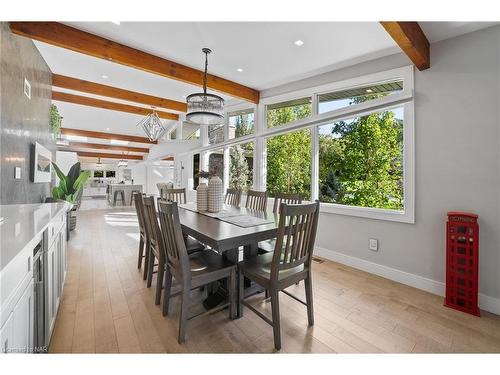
{"x": 369, "y": 90}
{"x": 184, "y": 96}
{"x": 239, "y": 70}
{"x": 116, "y": 22}
{"x": 104, "y": 76}
{"x": 107, "y": 129}
{"x": 298, "y": 43}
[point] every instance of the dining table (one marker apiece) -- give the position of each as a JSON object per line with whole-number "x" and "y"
{"x": 233, "y": 232}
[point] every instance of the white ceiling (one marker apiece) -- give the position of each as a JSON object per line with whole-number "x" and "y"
{"x": 264, "y": 50}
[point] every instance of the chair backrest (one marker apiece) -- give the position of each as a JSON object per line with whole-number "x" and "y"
{"x": 233, "y": 197}
{"x": 139, "y": 208}
{"x": 174, "y": 195}
{"x": 256, "y": 200}
{"x": 296, "y": 235}
{"x": 177, "y": 256}
{"x": 288, "y": 198}
{"x": 152, "y": 227}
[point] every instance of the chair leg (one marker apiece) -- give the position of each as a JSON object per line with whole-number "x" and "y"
{"x": 141, "y": 252}
{"x": 267, "y": 294}
{"x": 232, "y": 294}
{"x": 241, "y": 294}
{"x": 183, "y": 316}
{"x": 147, "y": 253}
{"x": 150, "y": 268}
{"x": 159, "y": 282}
{"x": 166, "y": 291}
{"x": 275, "y": 306}
{"x": 309, "y": 299}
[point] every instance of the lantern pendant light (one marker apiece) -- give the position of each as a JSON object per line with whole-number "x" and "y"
{"x": 152, "y": 126}
{"x": 203, "y": 108}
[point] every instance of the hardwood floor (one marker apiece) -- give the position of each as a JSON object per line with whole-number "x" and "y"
{"x": 106, "y": 308}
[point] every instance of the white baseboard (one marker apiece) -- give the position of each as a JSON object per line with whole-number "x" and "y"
{"x": 486, "y": 303}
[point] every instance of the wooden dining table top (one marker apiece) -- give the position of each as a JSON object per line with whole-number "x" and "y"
{"x": 223, "y": 236}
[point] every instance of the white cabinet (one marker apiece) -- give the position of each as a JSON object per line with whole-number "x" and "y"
{"x": 57, "y": 266}
{"x": 22, "y": 321}
{"x": 16, "y": 335}
{"x": 6, "y": 333}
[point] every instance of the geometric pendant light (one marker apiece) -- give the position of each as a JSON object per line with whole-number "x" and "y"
{"x": 152, "y": 126}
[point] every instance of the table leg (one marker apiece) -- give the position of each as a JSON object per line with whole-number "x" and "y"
{"x": 233, "y": 256}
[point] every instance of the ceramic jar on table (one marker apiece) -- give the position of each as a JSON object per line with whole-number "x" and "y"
{"x": 202, "y": 197}
{"x": 215, "y": 194}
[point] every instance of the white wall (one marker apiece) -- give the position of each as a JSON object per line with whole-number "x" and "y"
{"x": 457, "y": 143}
{"x": 65, "y": 160}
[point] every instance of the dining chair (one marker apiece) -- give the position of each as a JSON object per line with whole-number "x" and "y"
{"x": 233, "y": 197}
{"x": 288, "y": 198}
{"x": 143, "y": 239}
{"x": 256, "y": 200}
{"x": 191, "y": 271}
{"x": 175, "y": 195}
{"x": 155, "y": 251}
{"x": 289, "y": 263}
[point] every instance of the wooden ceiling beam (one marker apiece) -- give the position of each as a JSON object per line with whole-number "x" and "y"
{"x": 108, "y": 156}
{"x": 115, "y": 92}
{"x": 68, "y": 37}
{"x": 100, "y": 146}
{"x": 412, "y": 40}
{"x": 99, "y": 135}
{"x": 98, "y": 103}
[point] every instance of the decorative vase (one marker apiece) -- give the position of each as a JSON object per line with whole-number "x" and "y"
{"x": 202, "y": 197}
{"x": 215, "y": 193}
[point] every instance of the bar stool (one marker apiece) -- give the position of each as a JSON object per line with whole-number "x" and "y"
{"x": 132, "y": 195}
{"x": 122, "y": 197}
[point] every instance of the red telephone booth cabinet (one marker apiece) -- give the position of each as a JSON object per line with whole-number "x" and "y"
{"x": 462, "y": 261}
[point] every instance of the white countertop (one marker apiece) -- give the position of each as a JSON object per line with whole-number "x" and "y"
{"x": 22, "y": 223}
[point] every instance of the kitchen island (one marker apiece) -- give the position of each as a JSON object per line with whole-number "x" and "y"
{"x": 127, "y": 191}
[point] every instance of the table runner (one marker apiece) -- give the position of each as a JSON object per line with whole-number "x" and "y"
{"x": 231, "y": 216}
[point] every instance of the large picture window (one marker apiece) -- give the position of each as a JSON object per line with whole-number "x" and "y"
{"x": 216, "y": 162}
{"x": 361, "y": 161}
{"x": 289, "y": 163}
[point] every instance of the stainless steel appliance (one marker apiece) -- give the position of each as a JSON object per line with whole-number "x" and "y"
{"x": 40, "y": 304}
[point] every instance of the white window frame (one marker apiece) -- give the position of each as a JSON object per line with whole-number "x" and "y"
{"x": 404, "y": 98}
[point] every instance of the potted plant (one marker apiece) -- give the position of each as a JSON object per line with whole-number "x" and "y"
{"x": 70, "y": 188}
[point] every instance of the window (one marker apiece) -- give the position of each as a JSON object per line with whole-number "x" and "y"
{"x": 190, "y": 130}
{"x": 283, "y": 113}
{"x": 216, "y": 162}
{"x": 110, "y": 174}
{"x": 344, "y": 98}
{"x": 240, "y": 123}
{"x": 289, "y": 163}
{"x": 241, "y": 166}
{"x": 215, "y": 134}
{"x": 361, "y": 161}
{"x": 98, "y": 173}
{"x": 196, "y": 170}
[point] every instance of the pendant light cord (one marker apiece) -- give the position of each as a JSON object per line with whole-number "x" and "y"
{"x": 206, "y": 51}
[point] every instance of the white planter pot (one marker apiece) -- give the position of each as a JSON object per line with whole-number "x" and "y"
{"x": 215, "y": 194}
{"x": 202, "y": 197}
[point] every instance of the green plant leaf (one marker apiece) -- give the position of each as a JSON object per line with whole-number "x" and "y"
{"x": 57, "y": 193}
{"x": 73, "y": 174}
{"x": 80, "y": 181}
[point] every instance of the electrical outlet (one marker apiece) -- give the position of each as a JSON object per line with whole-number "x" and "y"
{"x": 373, "y": 244}
{"x": 17, "y": 173}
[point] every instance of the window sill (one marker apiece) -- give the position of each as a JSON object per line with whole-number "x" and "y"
{"x": 369, "y": 213}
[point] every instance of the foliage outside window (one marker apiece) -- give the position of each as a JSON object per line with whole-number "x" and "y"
{"x": 241, "y": 166}
{"x": 196, "y": 170}
{"x": 110, "y": 174}
{"x": 289, "y": 163}
{"x": 283, "y": 113}
{"x": 98, "y": 173}
{"x": 344, "y": 98}
{"x": 361, "y": 161}
{"x": 240, "y": 123}
{"x": 216, "y": 163}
